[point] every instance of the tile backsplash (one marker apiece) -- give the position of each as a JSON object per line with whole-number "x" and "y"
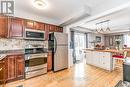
{"x": 17, "y": 44}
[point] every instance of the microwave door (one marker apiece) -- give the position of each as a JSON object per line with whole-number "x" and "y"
{"x": 37, "y": 35}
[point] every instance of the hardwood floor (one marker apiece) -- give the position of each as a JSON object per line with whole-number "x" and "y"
{"x": 81, "y": 75}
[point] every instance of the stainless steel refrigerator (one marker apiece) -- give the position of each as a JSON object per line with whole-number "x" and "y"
{"x": 58, "y": 43}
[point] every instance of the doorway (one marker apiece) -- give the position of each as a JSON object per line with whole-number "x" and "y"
{"x": 80, "y": 40}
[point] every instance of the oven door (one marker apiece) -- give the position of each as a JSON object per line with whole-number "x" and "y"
{"x": 34, "y": 34}
{"x": 35, "y": 62}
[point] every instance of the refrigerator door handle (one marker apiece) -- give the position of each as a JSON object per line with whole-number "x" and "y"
{"x": 55, "y": 47}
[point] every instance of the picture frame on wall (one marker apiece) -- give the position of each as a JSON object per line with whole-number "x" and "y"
{"x": 98, "y": 39}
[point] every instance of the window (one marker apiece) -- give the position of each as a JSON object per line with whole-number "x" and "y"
{"x": 127, "y": 40}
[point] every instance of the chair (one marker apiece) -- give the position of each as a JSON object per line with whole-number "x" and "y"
{"x": 119, "y": 59}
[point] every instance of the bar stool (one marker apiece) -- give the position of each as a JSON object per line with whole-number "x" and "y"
{"x": 119, "y": 58}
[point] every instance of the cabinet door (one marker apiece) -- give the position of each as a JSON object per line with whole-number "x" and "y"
{"x": 107, "y": 60}
{"x": 101, "y": 59}
{"x": 47, "y": 27}
{"x": 60, "y": 29}
{"x": 95, "y": 58}
{"x": 2, "y": 71}
{"x": 30, "y": 24}
{"x": 39, "y": 26}
{"x": 88, "y": 56}
{"x": 3, "y": 26}
{"x": 52, "y": 28}
{"x": 16, "y": 27}
{"x": 19, "y": 66}
{"x": 49, "y": 61}
{"x": 11, "y": 73}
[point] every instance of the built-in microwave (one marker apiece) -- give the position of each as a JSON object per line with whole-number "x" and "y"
{"x": 34, "y": 34}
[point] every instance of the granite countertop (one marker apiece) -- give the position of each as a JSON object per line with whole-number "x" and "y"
{"x": 12, "y": 52}
{"x": 4, "y": 53}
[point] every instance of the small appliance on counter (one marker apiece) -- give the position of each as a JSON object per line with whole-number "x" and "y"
{"x": 35, "y": 61}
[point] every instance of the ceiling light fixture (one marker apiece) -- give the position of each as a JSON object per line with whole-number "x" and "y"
{"x": 101, "y": 30}
{"x": 40, "y": 4}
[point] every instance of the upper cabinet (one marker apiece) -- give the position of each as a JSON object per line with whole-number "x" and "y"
{"x": 54, "y": 28}
{"x": 30, "y": 24}
{"x": 40, "y": 26}
{"x": 16, "y": 27}
{"x": 34, "y": 25}
{"x": 47, "y": 27}
{"x": 3, "y": 26}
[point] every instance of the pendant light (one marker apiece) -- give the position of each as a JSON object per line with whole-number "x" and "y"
{"x": 108, "y": 28}
{"x": 101, "y": 30}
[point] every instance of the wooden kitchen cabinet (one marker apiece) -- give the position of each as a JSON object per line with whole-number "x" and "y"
{"x": 60, "y": 29}
{"x": 15, "y": 67}
{"x": 47, "y": 27}
{"x": 52, "y": 28}
{"x": 19, "y": 66}
{"x": 49, "y": 61}
{"x": 30, "y": 24}
{"x": 10, "y": 66}
{"x": 16, "y": 27}
{"x": 40, "y": 26}
{"x": 3, "y": 26}
{"x": 2, "y": 71}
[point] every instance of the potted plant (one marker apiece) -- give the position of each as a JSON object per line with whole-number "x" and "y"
{"x": 118, "y": 41}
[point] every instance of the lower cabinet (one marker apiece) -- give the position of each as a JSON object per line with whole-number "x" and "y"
{"x": 88, "y": 55}
{"x": 2, "y": 71}
{"x": 100, "y": 59}
{"x": 19, "y": 66}
{"x": 49, "y": 61}
{"x": 14, "y": 67}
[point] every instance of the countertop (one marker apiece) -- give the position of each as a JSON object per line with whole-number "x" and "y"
{"x": 4, "y": 53}
{"x": 12, "y": 52}
{"x": 110, "y": 50}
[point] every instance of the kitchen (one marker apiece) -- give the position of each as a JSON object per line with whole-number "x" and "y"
{"x": 47, "y": 44}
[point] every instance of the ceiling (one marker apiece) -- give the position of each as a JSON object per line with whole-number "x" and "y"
{"x": 118, "y": 21}
{"x": 60, "y": 11}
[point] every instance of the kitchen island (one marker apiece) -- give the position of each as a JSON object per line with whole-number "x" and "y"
{"x": 101, "y": 58}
